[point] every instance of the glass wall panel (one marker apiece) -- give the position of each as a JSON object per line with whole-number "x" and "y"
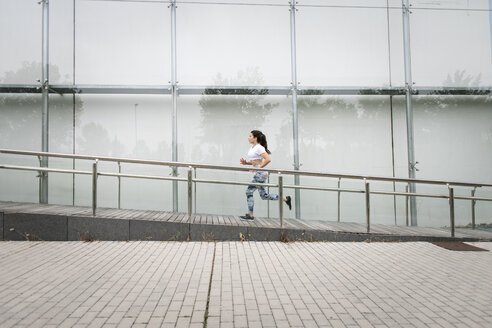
{"x": 122, "y": 43}
{"x": 344, "y": 46}
{"x": 214, "y": 129}
{"x": 400, "y": 154}
{"x": 238, "y": 2}
{"x": 61, "y": 132}
{"x": 395, "y": 44}
{"x": 453, "y": 141}
{"x": 61, "y": 41}
{"x": 20, "y": 129}
{"x": 453, "y": 5}
{"x": 125, "y": 126}
{"x": 343, "y": 3}
{"x": 351, "y": 135}
{"x": 451, "y": 43}
{"x": 233, "y": 45}
{"x": 20, "y": 37}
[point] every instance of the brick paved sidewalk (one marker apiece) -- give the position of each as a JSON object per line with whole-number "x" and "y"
{"x": 251, "y": 284}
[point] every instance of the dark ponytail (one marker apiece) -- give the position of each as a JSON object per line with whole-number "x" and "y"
{"x": 261, "y": 139}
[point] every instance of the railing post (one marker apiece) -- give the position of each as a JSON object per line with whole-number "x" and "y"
{"x": 119, "y": 186}
{"x": 473, "y": 207}
{"x": 40, "y": 181}
{"x": 451, "y": 209}
{"x": 268, "y": 201}
{"x": 281, "y": 199}
{"x": 339, "y": 192}
{"x": 94, "y": 187}
{"x": 190, "y": 191}
{"x": 406, "y": 205}
{"x": 368, "y": 206}
{"x": 194, "y": 190}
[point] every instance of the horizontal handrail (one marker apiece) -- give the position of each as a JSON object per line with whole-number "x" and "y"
{"x": 42, "y": 169}
{"x": 244, "y": 169}
{"x": 323, "y": 189}
{"x": 235, "y": 183}
{"x": 156, "y": 177}
{"x": 153, "y": 177}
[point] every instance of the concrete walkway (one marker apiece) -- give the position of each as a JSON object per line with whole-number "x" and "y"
{"x": 243, "y": 284}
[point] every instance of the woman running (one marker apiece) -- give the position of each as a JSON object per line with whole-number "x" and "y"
{"x": 258, "y": 156}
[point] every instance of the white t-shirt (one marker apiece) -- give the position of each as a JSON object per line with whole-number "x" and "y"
{"x": 255, "y": 153}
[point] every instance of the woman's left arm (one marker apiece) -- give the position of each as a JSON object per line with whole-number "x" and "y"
{"x": 266, "y": 159}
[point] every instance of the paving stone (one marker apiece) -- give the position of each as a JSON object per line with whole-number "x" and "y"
{"x": 155, "y": 322}
{"x": 198, "y": 316}
{"x": 171, "y": 316}
{"x": 97, "y": 323}
{"x": 214, "y": 322}
{"x": 254, "y": 324}
{"x": 115, "y": 317}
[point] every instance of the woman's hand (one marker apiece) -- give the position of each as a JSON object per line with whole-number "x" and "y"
{"x": 243, "y": 161}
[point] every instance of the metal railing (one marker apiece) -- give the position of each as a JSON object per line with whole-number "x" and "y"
{"x": 95, "y": 173}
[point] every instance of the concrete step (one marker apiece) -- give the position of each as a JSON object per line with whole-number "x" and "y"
{"x": 29, "y": 221}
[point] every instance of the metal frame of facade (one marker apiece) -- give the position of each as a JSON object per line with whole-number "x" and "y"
{"x": 409, "y": 110}
{"x": 174, "y": 93}
{"x": 173, "y": 89}
{"x": 244, "y": 90}
{"x": 43, "y": 181}
{"x": 295, "y": 113}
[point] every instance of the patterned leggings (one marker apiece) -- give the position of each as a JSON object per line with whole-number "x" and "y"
{"x": 259, "y": 177}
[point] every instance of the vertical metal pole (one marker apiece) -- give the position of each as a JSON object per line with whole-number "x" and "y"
{"x": 409, "y": 110}
{"x": 268, "y": 201}
{"x": 194, "y": 196}
{"x": 190, "y": 191}
{"x": 406, "y": 205}
{"x": 368, "y": 207}
{"x": 94, "y": 187}
{"x": 74, "y": 104}
{"x": 295, "y": 122}
{"x": 45, "y": 110}
{"x": 392, "y": 150}
{"x": 451, "y": 209}
{"x": 339, "y": 180}
{"x": 281, "y": 199}
{"x": 40, "y": 178}
{"x": 174, "y": 92}
{"x": 135, "y": 123}
{"x": 473, "y": 207}
{"x": 119, "y": 186}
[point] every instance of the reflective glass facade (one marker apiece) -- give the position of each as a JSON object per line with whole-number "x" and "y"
{"x": 184, "y": 80}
